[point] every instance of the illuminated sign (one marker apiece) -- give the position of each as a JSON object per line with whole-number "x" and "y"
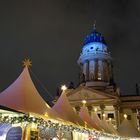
{"x": 14, "y": 133}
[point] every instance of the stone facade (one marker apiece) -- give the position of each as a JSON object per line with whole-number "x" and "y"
{"x": 113, "y": 106}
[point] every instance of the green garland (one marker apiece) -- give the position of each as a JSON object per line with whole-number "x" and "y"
{"x": 41, "y": 123}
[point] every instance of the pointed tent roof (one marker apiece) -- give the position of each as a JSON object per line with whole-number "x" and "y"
{"x": 127, "y": 129}
{"x": 84, "y": 115}
{"x": 8, "y": 109}
{"x": 63, "y": 107}
{"x": 112, "y": 128}
{"x": 97, "y": 120}
{"x": 108, "y": 127}
{"x": 22, "y": 95}
{"x": 103, "y": 124}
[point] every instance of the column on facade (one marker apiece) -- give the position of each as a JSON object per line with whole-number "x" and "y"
{"x": 117, "y": 114}
{"x": 102, "y": 107}
{"x": 77, "y": 108}
{"x": 86, "y": 69}
{"x": 135, "y": 119}
{"x": 96, "y": 69}
{"x": 100, "y": 70}
{"x": 138, "y": 116}
{"x": 110, "y": 69}
{"x": 90, "y": 110}
{"x": 92, "y": 70}
{"x": 106, "y": 71}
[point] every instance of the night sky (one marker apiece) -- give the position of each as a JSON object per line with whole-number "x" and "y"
{"x": 51, "y": 34}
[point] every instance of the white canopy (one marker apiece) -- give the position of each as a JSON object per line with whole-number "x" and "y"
{"x": 103, "y": 124}
{"x": 23, "y": 96}
{"x": 63, "y": 107}
{"x": 85, "y": 117}
{"x": 96, "y": 119}
{"x": 127, "y": 129}
{"x": 108, "y": 128}
{"x": 112, "y": 127}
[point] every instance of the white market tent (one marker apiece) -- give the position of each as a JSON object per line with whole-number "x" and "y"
{"x": 84, "y": 115}
{"x": 127, "y": 129}
{"x": 97, "y": 120}
{"x": 103, "y": 124}
{"x": 108, "y": 128}
{"x": 22, "y": 96}
{"x": 112, "y": 127}
{"x": 63, "y": 107}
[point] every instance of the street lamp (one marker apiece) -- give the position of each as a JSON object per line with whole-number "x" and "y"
{"x": 63, "y": 87}
{"x": 125, "y": 116}
{"x": 84, "y": 102}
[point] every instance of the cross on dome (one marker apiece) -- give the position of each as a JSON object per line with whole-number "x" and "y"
{"x": 94, "y": 25}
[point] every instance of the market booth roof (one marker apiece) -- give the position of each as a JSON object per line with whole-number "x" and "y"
{"x": 85, "y": 117}
{"x": 4, "y": 108}
{"x": 108, "y": 127}
{"x": 112, "y": 127}
{"x": 127, "y": 129}
{"x": 103, "y": 124}
{"x": 23, "y": 96}
{"x": 63, "y": 107}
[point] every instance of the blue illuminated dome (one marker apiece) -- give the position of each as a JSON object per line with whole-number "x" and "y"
{"x": 94, "y": 37}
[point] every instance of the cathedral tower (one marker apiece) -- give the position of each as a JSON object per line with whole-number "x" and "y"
{"x": 95, "y": 62}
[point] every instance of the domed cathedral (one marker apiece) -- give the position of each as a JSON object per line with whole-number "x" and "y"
{"x": 97, "y": 87}
{"x": 96, "y": 83}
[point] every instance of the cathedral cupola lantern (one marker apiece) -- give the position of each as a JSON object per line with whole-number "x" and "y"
{"x": 95, "y": 61}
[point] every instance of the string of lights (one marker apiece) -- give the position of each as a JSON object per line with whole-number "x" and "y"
{"x": 43, "y": 124}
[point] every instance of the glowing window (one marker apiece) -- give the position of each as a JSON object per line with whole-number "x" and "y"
{"x": 129, "y": 117}
{"x": 110, "y": 115}
{"x": 99, "y": 115}
{"x": 99, "y": 76}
